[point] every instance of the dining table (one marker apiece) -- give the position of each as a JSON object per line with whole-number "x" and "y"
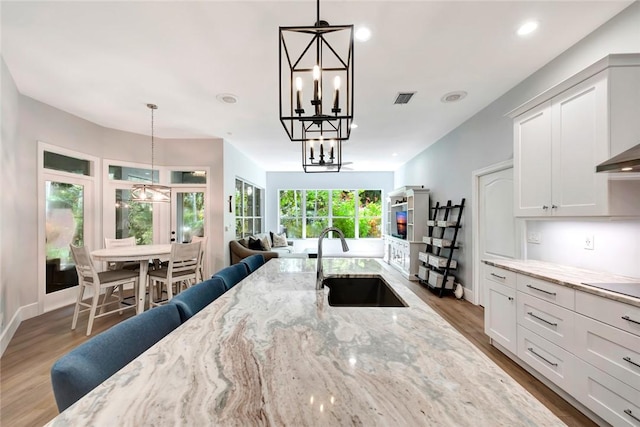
{"x": 274, "y": 351}
{"x": 141, "y": 253}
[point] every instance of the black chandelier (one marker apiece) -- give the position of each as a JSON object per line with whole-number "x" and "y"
{"x": 321, "y": 155}
{"x": 314, "y": 61}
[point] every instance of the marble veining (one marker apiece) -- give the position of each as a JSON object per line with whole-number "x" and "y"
{"x": 271, "y": 351}
{"x": 571, "y": 277}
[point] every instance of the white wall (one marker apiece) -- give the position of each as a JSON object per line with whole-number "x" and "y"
{"x": 236, "y": 165}
{"x": 12, "y": 262}
{"x": 328, "y": 181}
{"x": 486, "y": 138}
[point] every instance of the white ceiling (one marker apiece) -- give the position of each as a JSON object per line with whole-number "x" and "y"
{"x": 103, "y": 61}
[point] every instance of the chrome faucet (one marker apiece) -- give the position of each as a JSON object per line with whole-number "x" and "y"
{"x": 345, "y": 248}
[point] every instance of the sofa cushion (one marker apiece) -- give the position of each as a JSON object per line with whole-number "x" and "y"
{"x": 244, "y": 242}
{"x": 279, "y": 240}
{"x": 285, "y": 250}
{"x": 266, "y": 244}
{"x": 255, "y": 244}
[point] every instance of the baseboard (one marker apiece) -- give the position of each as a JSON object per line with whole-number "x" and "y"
{"x": 23, "y": 313}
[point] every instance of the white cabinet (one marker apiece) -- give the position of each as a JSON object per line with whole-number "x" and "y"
{"x": 500, "y": 307}
{"x": 561, "y": 135}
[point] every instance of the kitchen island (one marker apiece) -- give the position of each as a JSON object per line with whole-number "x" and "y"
{"x": 272, "y": 351}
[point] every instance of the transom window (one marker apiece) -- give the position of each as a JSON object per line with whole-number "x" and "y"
{"x": 304, "y": 213}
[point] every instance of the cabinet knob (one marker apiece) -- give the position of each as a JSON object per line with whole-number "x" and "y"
{"x": 510, "y": 298}
{"x": 554, "y": 207}
{"x": 545, "y": 207}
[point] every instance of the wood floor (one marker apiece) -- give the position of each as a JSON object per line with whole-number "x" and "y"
{"x": 26, "y": 398}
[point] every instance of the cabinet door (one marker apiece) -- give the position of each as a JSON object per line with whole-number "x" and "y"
{"x": 532, "y": 166}
{"x": 580, "y": 141}
{"x": 500, "y": 314}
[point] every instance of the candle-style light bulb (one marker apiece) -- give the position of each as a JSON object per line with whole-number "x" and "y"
{"x": 316, "y": 81}
{"x": 331, "y": 151}
{"x": 311, "y": 146}
{"x": 298, "y": 93}
{"x": 336, "y": 95}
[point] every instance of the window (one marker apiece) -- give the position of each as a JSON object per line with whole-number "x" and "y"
{"x": 188, "y": 177}
{"x": 358, "y": 213}
{"x": 248, "y": 209}
{"x": 64, "y": 163}
{"x": 124, "y": 173}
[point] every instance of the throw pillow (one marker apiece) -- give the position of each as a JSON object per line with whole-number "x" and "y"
{"x": 279, "y": 240}
{"x": 266, "y": 246}
{"x": 255, "y": 244}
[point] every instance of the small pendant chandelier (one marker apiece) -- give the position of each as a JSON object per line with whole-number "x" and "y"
{"x": 314, "y": 61}
{"x": 321, "y": 156}
{"x": 151, "y": 193}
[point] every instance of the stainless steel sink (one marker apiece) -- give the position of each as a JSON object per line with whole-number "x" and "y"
{"x": 361, "y": 291}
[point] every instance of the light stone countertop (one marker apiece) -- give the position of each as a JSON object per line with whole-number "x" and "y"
{"x": 571, "y": 277}
{"x": 271, "y": 351}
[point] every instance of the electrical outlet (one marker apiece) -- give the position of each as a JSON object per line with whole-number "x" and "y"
{"x": 588, "y": 242}
{"x": 534, "y": 237}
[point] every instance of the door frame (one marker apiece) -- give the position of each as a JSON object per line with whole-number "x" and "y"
{"x": 49, "y": 302}
{"x": 475, "y": 224}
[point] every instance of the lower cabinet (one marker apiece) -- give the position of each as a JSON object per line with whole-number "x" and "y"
{"x": 587, "y": 345}
{"x": 403, "y": 256}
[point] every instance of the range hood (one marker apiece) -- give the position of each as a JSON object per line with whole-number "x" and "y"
{"x": 627, "y": 161}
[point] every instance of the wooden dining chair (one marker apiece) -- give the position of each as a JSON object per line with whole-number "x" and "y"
{"x": 203, "y": 247}
{"x": 92, "y": 362}
{"x": 97, "y": 282}
{"x": 181, "y": 271}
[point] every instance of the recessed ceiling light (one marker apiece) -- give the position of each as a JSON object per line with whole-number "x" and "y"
{"x": 453, "y": 96}
{"x": 227, "y": 98}
{"x": 527, "y": 28}
{"x": 354, "y": 125}
{"x": 363, "y": 34}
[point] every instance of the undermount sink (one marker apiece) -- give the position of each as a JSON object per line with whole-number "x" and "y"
{"x": 361, "y": 291}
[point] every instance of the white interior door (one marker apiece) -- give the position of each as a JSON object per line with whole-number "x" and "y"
{"x": 496, "y": 223}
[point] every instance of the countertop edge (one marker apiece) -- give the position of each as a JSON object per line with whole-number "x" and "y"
{"x": 512, "y": 265}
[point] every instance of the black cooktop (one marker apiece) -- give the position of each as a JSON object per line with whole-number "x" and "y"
{"x": 629, "y": 289}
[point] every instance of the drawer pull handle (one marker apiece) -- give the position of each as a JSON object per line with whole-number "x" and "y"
{"x": 628, "y": 412}
{"x": 541, "y": 290}
{"x": 628, "y": 359}
{"x": 540, "y": 318}
{"x": 499, "y": 277}
{"x": 542, "y": 357}
{"x": 627, "y": 318}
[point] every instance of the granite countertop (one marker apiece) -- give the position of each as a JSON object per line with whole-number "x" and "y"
{"x": 572, "y": 277}
{"x": 271, "y": 351}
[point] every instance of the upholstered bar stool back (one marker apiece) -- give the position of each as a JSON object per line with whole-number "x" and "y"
{"x": 232, "y": 275}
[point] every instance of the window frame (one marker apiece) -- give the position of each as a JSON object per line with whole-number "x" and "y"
{"x": 253, "y": 217}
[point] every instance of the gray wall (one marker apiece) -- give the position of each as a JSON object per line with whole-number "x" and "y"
{"x": 446, "y": 166}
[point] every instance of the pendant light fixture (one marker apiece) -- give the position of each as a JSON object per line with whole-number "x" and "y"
{"x": 316, "y": 81}
{"x": 321, "y": 156}
{"x": 151, "y": 193}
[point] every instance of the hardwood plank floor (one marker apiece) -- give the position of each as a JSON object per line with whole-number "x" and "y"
{"x": 26, "y": 397}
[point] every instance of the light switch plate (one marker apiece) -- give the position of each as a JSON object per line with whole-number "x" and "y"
{"x": 534, "y": 237}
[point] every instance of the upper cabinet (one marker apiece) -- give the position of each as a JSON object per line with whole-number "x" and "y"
{"x": 561, "y": 135}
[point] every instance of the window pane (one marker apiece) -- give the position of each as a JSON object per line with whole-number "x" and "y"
{"x": 238, "y": 197}
{"x": 190, "y": 215}
{"x": 247, "y": 227}
{"x": 66, "y": 164}
{"x": 292, "y": 227}
{"x": 370, "y": 213}
{"x": 346, "y": 225}
{"x": 290, "y": 201}
{"x": 188, "y": 177}
{"x": 239, "y": 234}
{"x": 315, "y": 226}
{"x": 248, "y": 200}
{"x": 64, "y": 226}
{"x": 123, "y": 173}
{"x": 317, "y": 203}
{"x": 133, "y": 219}
{"x": 257, "y": 197}
{"x": 257, "y": 225}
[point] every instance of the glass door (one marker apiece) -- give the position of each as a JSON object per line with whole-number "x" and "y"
{"x": 68, "y": 220}
{"x": 188, "y": 207}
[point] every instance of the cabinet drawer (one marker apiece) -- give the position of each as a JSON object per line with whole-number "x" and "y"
{"x": 547, "y": 358}
{"x": 547, "y": 291}
{"x": 612, "y": 350}
{"x": 614, "y": 401}
{"x": 550, "y": 321}
{"x": 499, "y": 275}
{"x": 614, "y": 313}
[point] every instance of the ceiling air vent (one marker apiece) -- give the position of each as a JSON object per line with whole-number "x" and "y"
{"x": 403, "y": 97}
